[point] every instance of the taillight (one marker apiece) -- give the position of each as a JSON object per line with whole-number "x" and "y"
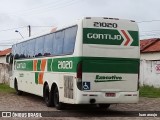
{"x": 79, "y": 75}
{"x": 79, "y": 70}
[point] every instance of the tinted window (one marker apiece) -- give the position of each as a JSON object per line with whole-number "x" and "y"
{"x": 27, "y": 49}
{"x": 16, "y": 51}
{"x": 19, "y": 50}
{"x": 61, "y": 42}
{"x": 69, "y": 40}
{"x": 39, "y": 47}
{"x": 24, "y": 50}
{"x": 58, "y": 43}
{"x": 48, "y": 44}
{"x": 31, "y": 48}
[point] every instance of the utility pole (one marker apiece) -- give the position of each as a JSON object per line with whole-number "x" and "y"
{"x": 29, "y": 28}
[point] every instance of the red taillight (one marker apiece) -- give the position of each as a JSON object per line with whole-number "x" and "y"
{"x": 79, "y": 70}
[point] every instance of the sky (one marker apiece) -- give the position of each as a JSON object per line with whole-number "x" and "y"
{"x": 44, "y": 15}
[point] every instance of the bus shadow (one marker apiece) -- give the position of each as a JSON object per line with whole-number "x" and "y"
{"x": 77, "y": 110}
{"x": 30, "y": 96}
{"x": 94, "y": 111}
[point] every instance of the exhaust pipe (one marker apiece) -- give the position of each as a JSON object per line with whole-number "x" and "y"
{"x": 92, "y": 101}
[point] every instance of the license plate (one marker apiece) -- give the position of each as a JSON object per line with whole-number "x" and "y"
{"x": 110, "y": 94}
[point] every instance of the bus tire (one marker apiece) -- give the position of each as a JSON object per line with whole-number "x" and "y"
{"x": 104, "y": 106}
{"x": 18, "y": 92}
{"x": 57, "y": 104}
{"x": 48, "y": 97}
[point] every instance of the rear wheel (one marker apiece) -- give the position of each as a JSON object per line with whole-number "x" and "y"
{"x": 18, "y": 92}
{"x": 48, "y": 98}
{"x": 57, "y": 104}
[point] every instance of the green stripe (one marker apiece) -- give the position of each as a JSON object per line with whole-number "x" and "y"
{"x": 68, "y": 64}
{"x": 107, "y": 36}
{"x": 24, "y": 65}
{"x": 36, "y": 77}
{"x": 89, "y": 65}
{"x": 49, "y": 65}
{"x": 111, "y": 66}
{"x": 103, "y": 40}
{"x": 135, "y": 37}
{"x": 39, "y": 65}
{"x": 98, "y": 65}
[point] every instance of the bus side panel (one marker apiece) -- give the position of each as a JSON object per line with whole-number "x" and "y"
{"x": 26, "y": 83}
{"x": 67, "y": 88}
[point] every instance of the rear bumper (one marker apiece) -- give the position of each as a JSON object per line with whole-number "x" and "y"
{"x": 100, "y": 98}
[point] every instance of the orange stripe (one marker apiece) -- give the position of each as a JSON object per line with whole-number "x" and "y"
{"x": 128, "y": 39}
{"x": 43, "y": 64}
{"x": 35, "y": 65}
{"x": 41, "y": 74}
{"x": 40, "y": 77}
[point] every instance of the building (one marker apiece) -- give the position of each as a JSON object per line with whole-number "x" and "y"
{"x": 150, "y": 62}
{"x": 3, "y": 54}
{"x": 5, "y": 69}
{"x": 150, "y": 49}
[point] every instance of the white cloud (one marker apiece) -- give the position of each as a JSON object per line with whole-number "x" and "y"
{"x": 17, "y": 13}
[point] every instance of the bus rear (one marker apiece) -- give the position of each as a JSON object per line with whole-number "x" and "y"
{"x": 109, "y": 68}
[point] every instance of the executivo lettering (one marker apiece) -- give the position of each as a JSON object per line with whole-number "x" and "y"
{"x": 107, "y": 78}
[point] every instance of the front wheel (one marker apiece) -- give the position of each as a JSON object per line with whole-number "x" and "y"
{"x": 57, "y": 104}
{"x": 18, "y": 92}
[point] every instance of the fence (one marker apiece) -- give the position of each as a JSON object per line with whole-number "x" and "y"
{"x": 150, "y": 73}
{"x": 5, "y": 73}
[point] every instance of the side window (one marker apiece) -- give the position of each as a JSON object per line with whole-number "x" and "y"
{"x": 48, "y": 44}
{"x": 14, "y": 50}
{"x": 23, "y": 50}
{"x": 31, "y": 48}
{"x": 27, "y": 49}
{"x": 39, "y": 47}
{"x": 58, "y": 43}
{"x": 69, "y": 40}
{"x": 17, "y": 51}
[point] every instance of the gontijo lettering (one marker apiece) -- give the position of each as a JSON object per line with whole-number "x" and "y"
{"x": 21, "y": 65}
{"x": 103, "y": 36}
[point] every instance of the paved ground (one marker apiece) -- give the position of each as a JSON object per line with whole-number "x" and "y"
{"x": 28, "y": 102}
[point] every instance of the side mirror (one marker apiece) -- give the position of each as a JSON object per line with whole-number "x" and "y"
{"x": 9, "y": 59}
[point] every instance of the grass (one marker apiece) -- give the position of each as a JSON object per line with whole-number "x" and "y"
{"x": 6, "y": 88}
{"x": 149, "y": 91}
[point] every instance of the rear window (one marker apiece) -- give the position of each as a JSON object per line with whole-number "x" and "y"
{"x": 69, "y": 40}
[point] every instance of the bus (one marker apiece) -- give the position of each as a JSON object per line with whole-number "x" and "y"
{"x": 94, "y": 61}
